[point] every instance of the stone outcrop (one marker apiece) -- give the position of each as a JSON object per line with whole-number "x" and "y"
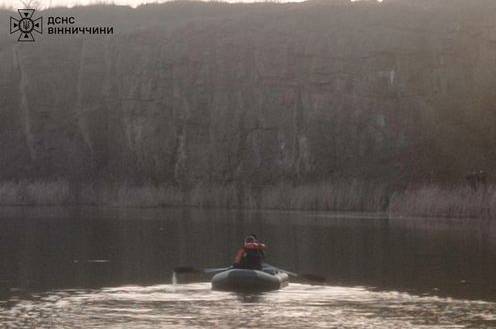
{"x": 251, "y": 94}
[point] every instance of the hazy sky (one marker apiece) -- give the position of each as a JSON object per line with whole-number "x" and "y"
{"x": 52, "y": 3}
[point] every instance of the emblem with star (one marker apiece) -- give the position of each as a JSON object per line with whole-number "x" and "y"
{"x": 26, "y": 25}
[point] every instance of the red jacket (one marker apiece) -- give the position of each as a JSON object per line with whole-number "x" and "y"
{"x": 248, "y": 246}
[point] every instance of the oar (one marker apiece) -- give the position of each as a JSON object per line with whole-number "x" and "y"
{"x": 309, "y": 277}
{"x": 189, "y": 269}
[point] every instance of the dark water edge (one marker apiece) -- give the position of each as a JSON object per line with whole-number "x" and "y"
{"x": 361, "y": 195}
{"x": 47, "y": 248}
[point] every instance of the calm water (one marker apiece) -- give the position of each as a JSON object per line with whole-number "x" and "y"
{"x": 110, "y": 268}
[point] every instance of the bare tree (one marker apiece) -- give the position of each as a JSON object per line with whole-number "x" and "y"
{"x": 31, "y": 4}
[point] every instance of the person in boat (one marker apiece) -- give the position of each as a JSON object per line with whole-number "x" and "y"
{"x": 251, "y": 255}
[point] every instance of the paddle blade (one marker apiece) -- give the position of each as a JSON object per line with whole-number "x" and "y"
{"x": 216, "y": 270}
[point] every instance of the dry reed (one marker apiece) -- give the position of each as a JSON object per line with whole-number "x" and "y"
{"x": 454, "y": 201}
{"x": 341, "y": 195}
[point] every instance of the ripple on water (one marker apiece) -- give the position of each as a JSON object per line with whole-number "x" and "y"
{"x": 197, "y": 306}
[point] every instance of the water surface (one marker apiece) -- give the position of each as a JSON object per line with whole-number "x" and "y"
{"x": 111, "y": 268}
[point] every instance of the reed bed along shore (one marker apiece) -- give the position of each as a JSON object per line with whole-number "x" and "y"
{"x": 451, "y": 201}
{"x": 351, "y": 195}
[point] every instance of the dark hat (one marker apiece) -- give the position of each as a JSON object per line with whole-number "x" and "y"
{"x": 250, "y": 238}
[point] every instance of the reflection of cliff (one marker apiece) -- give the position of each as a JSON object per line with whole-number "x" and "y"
{"x": 192, "y": 93}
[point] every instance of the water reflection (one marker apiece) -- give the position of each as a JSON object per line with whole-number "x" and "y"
{"x": 250, "y": 298}
{"x": 53, "y": 248}
{"x": 196, "y": 306}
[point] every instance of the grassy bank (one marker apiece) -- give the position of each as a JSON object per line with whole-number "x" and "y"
{"x": 453, "y": 201}
{"x": 350, "y": 195}
{"x": 354, "y": 195}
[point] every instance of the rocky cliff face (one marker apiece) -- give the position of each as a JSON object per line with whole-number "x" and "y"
{"x": 189, "y": 93}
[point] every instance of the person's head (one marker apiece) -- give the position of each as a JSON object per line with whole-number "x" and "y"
{"x": 250, "y": 239}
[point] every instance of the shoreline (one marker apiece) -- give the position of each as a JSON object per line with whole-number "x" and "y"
{"x": 423, "y": 201}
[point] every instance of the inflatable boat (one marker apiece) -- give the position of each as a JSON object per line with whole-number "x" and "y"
{"x": 247, "y": 280}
